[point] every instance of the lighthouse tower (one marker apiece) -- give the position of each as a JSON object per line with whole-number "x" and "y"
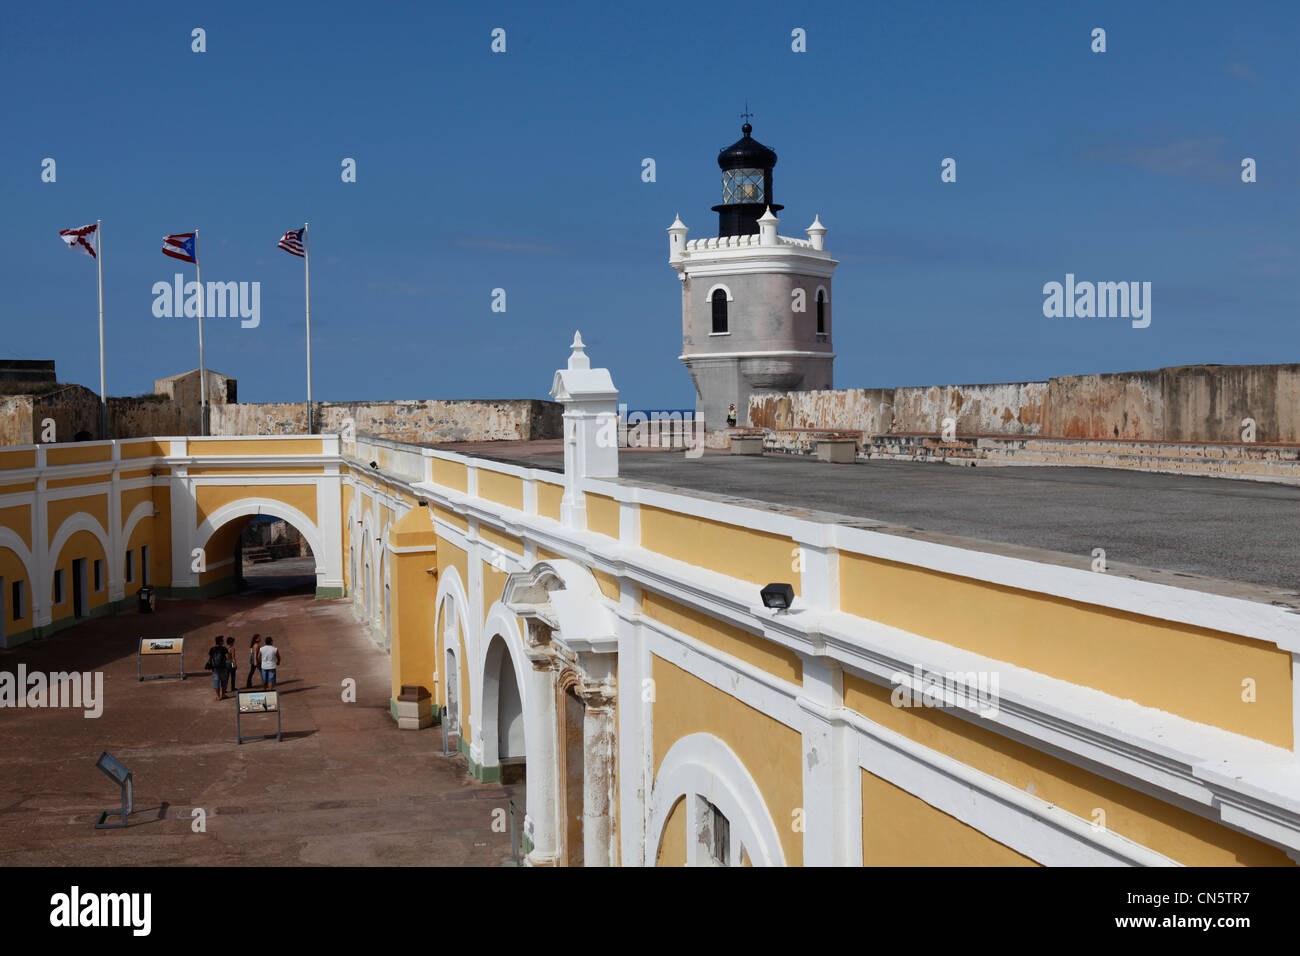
{"x": 756, "y": 305}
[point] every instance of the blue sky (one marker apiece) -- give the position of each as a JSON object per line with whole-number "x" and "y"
{"x": 523, "y": 171}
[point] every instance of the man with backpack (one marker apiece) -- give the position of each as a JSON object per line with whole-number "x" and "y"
{"x": 217, "y": 659}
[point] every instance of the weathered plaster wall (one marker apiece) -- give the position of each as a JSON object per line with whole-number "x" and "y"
{"x": 413, "y": 421}
{"x": 1204, "y": 403}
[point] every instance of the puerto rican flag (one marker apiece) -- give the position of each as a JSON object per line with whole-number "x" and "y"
{"x": 180, "y": 247}
{"x": 81, "y": 240}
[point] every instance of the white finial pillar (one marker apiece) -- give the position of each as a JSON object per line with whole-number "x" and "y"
{"x": 767, "y": 224}
{"x": 677, "y": 241}
{"x": 590, "y": 429}
{"x": 817, "y": 233}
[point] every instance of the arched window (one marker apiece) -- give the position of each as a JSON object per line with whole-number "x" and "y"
{"x": 821, "y": 312}
{"x": 719, "y": 311}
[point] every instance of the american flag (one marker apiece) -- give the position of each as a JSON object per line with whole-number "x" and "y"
{"x": 81, "y": 240}
{"x": 180, "y": 247}
{"x": 291, "y": 242}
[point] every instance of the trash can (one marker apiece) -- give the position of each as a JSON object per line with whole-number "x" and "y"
{"x": 146, "y": 598}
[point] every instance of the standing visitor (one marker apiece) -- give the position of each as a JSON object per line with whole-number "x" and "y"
{"x": 232, "y": 663}
{"x": 217, "y": 664}
{"x": 254, "y": 661}
{"x": 270, "y": 661}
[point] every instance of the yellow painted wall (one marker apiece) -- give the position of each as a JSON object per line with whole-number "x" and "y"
{"x": 271, "y": 446}
{"x": 452, "y": 474}
{"x": 901, "y": 829}
{"x": 507, "y": 541}
{"x": 17, "y": 489}
{"x": 221, "y": 547}
{"x": 548, "y": 499}
{"x": 148, "y": 448}
{"x": 12, "y": 460}
{"x": 494, "y": 583}
{"x": 608, "y": 584}
{"x": 672, "y": 845}
{"x": 18, "y": 519}
{"x": 77, "y": 454}
{"x": 751, "y": 648}
{"x": 756, "y": 556}
{"x": 453, "y": 519}
{"x": 1190, "y": 671}
{"x": 504, "y": 489}
{"x": 60, "y": 510}
{"x": 211, "y": 498}
{"x": 133, "y": 497}
{"x": 11, "y": 570}
{"x": 602, "y": 515}
{"x": 1178, "y": 834}
{"x": 132, "y": 475}
{"x": 270, "y": 468}
{"x": 81, "y": 544}
{"x": 414, "y": 592}
{"x": 770, "y": 750}
{"x": 96, "y": 479}
{"x": 160, "y": 552}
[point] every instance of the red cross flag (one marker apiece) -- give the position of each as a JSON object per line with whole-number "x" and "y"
{"x": 81, "y": 240}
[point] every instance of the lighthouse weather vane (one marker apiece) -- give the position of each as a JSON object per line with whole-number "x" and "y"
{"x": 747, "y": 115}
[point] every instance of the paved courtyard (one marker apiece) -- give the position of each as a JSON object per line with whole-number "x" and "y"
{"x": 344, "y": 787}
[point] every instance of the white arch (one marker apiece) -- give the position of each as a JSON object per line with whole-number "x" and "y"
{"x": 251, "y": 507}
{"x": 144, "y": 509}
{"x": 824, "y": 291}
{"x": 10, "y": 539}
{"x": 71, "y": 525}
{"x": 451, "y": 589}
{"x": 714, "y": 288}
{"x": 701, "y": 764}
{"x": 503, "y": 624}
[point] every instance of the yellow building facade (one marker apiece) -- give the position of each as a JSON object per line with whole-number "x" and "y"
{"x": 605, "y": 640}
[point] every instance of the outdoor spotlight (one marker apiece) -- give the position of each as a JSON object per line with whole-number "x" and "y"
{"x": 374, "y": 465}
{"x": 778, "y": 597}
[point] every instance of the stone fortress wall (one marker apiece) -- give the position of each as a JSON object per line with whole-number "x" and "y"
{"x": 1191, "y": 403}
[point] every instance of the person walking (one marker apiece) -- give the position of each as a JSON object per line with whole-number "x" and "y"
{"x": 254, "y": 661}
{"x": 232, "y": 664}
{"x": 270, "y": 662}
{"x": 217, "y": 664}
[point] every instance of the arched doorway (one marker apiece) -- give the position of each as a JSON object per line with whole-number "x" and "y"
{"x": 258, "y": 553}
{"x": 222, "y": 564}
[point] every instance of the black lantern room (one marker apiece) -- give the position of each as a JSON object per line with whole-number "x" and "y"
{"x": 746, "y": 185}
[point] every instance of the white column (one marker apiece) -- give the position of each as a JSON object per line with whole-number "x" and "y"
{"x": 116, "y": 586}
{"x": 542, "y": 823}
{"x": 40, "y": 588}
{"x": 597, "y": 779}
{"x": 184, "y": 511}
{"x": 329, "y": 519}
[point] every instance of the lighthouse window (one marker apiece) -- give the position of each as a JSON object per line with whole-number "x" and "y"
{"x": 719, "y": 311}
{"x": 742, "y": 185}
{"x": 821, "y": 312}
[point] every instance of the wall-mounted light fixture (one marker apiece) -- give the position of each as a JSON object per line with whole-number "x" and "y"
{"x": 778, "y": 597}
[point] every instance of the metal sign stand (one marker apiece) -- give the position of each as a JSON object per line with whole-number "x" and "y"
{"x": 140, "y": 656}
{"x": 239, "y": 717}
{"x": 123, "y": 778}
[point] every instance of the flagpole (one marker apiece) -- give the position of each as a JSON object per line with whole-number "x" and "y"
{"x": 306, "y": 258}
{"x": 99, "y": 263}
{"x": 203, "y": 375}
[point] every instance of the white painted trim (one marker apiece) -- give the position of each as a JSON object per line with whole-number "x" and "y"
{"x": 774, "y": 353}
{"x": 703, "y": 764}
{"x": 80, "y": 521}
{"x": 708, "y": 297}
{"x": 1027, "y": 824}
